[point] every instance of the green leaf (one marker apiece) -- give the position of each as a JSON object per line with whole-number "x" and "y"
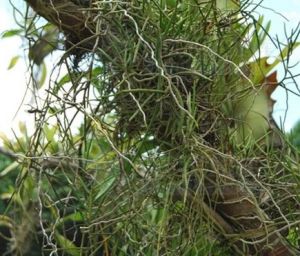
{"x": 94, "y": 150}
{"x": 65, "y": 79}
{"x": 11, "y": 33}
{"x": 50, "y": 132}
{"x": 9, "y": 168}
{"x": 96, "y": 80}
{"x": 43, "y": 75}
{"x": 169, "y": 3}
{"x": 97, "y": 71}
{"x": 74, "y": 217}
{"x": 13, "y": 62}
{"x": 265, "y": 32}
{"x": 257, "y": 36}
{"x": 228, "y": 5}
{"x": 106, "y": 184}
{"x": 68, "y": 246}
{"x": 104, "y": 145}
{"x": 160, "y": 216}
{"x": 260, "y": 68}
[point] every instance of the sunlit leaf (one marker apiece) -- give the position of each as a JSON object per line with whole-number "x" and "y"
{"x": 260, "y": 68}
{"x": 9, "y": 168}
{"x": 49, "y": 134}
{"x": 4, "y": 138}
{"x": 43, "y": 75}
{"x": 65, "y": 79}
{"x": 13, "y": 62}
{"x": 10, "y": 195}
{"x": 254, "y": 110}
{"x": 11, "y": 32}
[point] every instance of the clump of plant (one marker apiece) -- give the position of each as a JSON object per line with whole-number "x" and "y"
{"x": 177, "y": 151}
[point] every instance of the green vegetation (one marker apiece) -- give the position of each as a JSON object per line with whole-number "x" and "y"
{"x": 155, "y": 137}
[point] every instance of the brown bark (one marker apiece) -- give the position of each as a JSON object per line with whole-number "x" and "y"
{"x": 239, "y": 208}
{"x": 70, "y": 19}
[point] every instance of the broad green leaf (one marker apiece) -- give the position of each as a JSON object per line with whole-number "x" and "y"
{"x": 253, "y": 111}
{"x": 13, "y": 62}
{"x": 259, "y": 69}
{"x": 65, "y": 79}
{"x": 96, "y": 80}
{"x": 68, "y": 246}
{"x": 11, "y": 32}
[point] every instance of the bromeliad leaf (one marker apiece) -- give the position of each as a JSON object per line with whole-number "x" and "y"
{"x": 253, "y": 112}
{"x": 260, "y": 68}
